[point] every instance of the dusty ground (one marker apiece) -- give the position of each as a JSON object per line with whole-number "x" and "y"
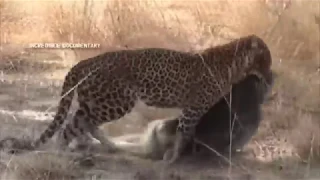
{"x": 28, "y": 100}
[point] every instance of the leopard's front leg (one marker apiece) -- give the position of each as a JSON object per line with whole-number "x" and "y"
{"x": 185, "y": 132}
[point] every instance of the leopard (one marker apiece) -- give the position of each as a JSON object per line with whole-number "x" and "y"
{"x": 108, "y": 86}
{"x": 240, "y": 112}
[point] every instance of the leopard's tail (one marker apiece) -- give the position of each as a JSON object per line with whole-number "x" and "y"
{"x": 67, "y": 94}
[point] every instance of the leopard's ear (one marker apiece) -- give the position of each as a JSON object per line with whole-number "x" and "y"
{"x": 254, "y": 44}
{"x": 254, "y": 41}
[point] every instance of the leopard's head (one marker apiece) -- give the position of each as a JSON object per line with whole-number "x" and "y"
{"x": 257, "y": 58}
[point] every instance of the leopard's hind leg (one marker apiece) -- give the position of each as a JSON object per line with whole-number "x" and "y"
{"x": 82, "y": 126}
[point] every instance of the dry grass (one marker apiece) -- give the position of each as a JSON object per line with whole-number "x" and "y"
{"x": 42, "y": 166}
{"x": 292, "y": 36}
{"x": 8, "y": 19}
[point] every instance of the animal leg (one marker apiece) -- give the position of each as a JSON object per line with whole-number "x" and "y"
{"x": 77, "y": 128}
{"x": 64, "y": 137}
{"x": 107, "y": 145}
{"x": 185, "y": 132}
